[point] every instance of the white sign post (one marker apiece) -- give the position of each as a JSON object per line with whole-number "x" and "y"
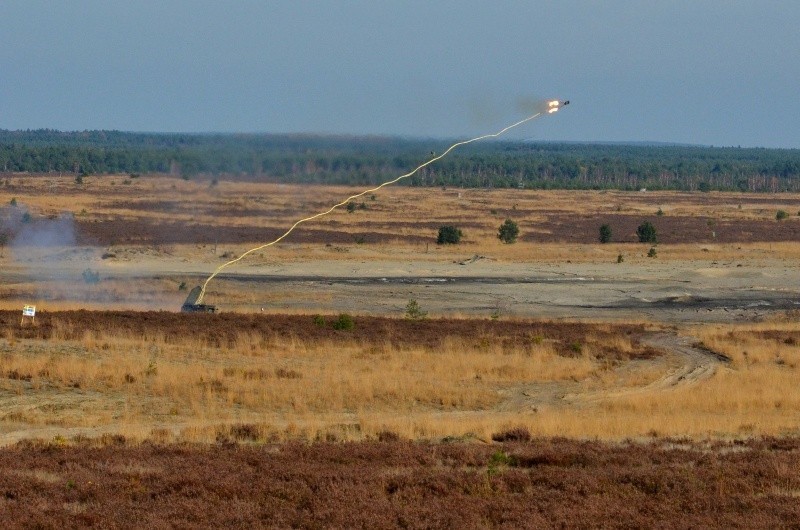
{"x": 29, "y": 311}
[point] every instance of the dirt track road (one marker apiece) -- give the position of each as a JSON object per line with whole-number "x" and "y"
{"x": 681, "y": 365}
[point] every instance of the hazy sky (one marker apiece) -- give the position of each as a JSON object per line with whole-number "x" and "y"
{"x": 707, "y": 72}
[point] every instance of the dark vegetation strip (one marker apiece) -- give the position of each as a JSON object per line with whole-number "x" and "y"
{"x": 570, "y": 228}
{"x": 151, "y": 232}
{"x": 555, "y": 228}
{"x": 224, "y": 329}
{"x": 553, "y": 483}
{"x": 359, "y": 160}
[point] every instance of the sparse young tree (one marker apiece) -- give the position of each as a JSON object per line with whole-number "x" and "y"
{"x": 647, "y": 233}
{"x": 414, "y": 311}
{"x": 449, "y": 235}
{"x": 605, "y": 233}
{"x": 508, "y": 231}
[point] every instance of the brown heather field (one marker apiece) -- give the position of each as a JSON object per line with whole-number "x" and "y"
{"x": 556, "y": 483}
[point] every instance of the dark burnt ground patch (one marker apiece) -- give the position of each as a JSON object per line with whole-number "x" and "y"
{"x": 550, "y": 483}
{"x": 215, "y": 208}
{"x": 146, "y": 231}
{"x": 569, "y": 228}
{"x": 556, "y": 227}
{"x": 224, "y": 329}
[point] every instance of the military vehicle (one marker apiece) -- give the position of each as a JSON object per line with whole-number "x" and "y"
{"x": 191, "y": 305}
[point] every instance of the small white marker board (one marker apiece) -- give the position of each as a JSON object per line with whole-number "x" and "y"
{"x": 29, "y": 311}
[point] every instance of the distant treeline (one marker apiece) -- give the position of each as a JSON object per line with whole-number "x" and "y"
{"x": 369, "y": 160}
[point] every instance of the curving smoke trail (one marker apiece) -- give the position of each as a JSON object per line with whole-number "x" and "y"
{"x": 551, "y": 106}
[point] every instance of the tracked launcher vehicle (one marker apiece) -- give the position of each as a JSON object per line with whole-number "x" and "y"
{"x": 191, "y": 305}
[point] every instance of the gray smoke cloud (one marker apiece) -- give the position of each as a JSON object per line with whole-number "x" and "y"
{"x": 57, "y": 232}
{"x": 45, "y": 248}
{"x": 486, "y": 111}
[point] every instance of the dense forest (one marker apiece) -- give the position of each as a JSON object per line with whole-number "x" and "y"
{"x": 369, "y": 160}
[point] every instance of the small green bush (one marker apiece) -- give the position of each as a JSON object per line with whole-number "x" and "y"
{"x": 605, "y": 233}
{"x": 781, "y": 215}
{"x": 344, "y": 322}
{"x": 414, "y": 311}
{"x": 449, "y": 235}
{"x": 508, "y": 231}
{"x": 647, "y": 233}
{"x": 652, "y": 252}
{"x": 319, "y": 320}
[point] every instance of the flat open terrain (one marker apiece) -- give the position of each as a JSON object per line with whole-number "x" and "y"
{"x": 551, "y": 332}
{"x": 553, "y": 336}
{"x": 720, "y": 257}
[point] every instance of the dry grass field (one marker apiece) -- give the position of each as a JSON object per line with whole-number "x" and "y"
{"x": 173, "y": 377}
{"x": 193, "y": 377}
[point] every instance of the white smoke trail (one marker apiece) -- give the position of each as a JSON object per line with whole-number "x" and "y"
{"x": 372, "y": 190}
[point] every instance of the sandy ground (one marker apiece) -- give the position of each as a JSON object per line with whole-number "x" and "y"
{"x": 652, "y": 289}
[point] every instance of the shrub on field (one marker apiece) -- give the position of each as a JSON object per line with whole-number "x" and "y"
{"x": 414, "y": 311}
{"x": 605, "y": 233}
{"x": 449, "y": 235}
{"x": 517, "y": 434}
{"x": 647, "y": 233}
{"x": 781, "y": 215}
{"x": 388, "y": 436}
{"x": 245, "y": 432}
{"x": 344, "y": 322}
{"x": 508, "y": 231}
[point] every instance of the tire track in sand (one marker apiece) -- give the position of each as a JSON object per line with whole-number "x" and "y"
{"x": 685, "y": 364}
